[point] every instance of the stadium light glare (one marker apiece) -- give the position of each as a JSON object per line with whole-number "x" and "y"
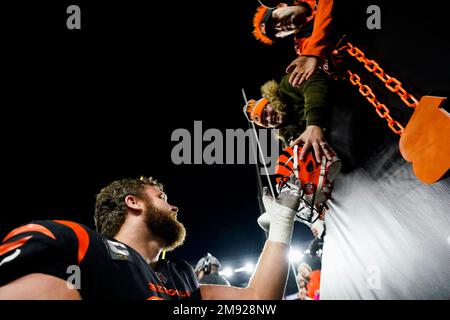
{"x": 248, "y": 267}
{"x": 295, "y": 255}
{"x": 227, "y": 272}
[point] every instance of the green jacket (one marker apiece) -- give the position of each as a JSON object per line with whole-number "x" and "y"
{"x": 305, "y": 105}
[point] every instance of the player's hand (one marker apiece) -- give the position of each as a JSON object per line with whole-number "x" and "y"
{"x": 285, "y": 206}
{"x": 289, "y": 195}
{"x": 283, "y": 211}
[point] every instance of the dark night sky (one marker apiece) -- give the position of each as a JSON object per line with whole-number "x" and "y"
{"x": 81, "y": 109}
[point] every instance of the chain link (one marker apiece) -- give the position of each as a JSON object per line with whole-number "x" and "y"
{"x": 390, "y": 82}
{"x": 381, "y": 109}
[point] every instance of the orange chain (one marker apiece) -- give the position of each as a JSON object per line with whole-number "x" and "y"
{"x": 381, "y": 109}
{"x": 390, "y": 82}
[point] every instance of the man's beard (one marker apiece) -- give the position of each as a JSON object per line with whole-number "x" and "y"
{"x": 165, "y": 226}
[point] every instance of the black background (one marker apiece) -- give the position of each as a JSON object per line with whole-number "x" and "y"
{"x": 81, "y": 108}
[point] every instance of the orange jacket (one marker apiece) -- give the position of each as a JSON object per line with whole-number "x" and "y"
{"x": 316, "y": 44}
{"x": 313, "y": 284}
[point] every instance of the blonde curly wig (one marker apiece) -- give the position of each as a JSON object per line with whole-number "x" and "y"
{"x": 270, "y": 90}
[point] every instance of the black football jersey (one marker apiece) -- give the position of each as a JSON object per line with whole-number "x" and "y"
{"x": 98, "y": 266}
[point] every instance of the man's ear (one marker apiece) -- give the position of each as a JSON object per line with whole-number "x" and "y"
{"x": 282, "y": 4}
{"x": 134, "y": 203}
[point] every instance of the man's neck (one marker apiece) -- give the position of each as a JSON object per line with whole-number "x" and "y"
{"x": 142, "y": 240}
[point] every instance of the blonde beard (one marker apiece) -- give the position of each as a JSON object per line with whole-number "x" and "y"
{"x": 164, "y": 225}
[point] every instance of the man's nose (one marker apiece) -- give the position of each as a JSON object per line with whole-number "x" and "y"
{"x": 174, "y": 208}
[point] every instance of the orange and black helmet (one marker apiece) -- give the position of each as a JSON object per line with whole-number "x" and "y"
{"x": 253, "y": 110}
{"x": 316, "y": 179}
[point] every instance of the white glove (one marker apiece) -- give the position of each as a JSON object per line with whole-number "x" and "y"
{"x": 264, "y": 221}
{"x": 279, "y": 216}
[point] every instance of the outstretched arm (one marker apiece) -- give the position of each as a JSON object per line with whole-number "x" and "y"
{"x": 267, "y": 283}
{"x": 313, "y": 54}
{"x": 269, "y": 279}
{"x": 318, "y": 43}
{"x": 316, "y": 112}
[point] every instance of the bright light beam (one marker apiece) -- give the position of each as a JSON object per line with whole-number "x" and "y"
{"x": 295, "y": 255}
{"x": 227, "y": 272}
{"x": 249, "y": 267}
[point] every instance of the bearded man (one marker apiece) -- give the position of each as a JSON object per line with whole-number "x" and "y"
{"x": 65, "y": 260}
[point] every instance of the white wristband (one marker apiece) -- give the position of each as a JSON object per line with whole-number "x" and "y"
{"x": 281, "y": 224}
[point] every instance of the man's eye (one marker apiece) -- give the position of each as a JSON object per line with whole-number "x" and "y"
{"x": 164, "y": 197}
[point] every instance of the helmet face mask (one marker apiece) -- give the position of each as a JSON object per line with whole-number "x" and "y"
{"x": 316, "y": 180}
{"x": 306, "y": 214}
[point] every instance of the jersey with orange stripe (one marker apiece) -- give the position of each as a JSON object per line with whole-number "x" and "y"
{"x": 98, "y": 266}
